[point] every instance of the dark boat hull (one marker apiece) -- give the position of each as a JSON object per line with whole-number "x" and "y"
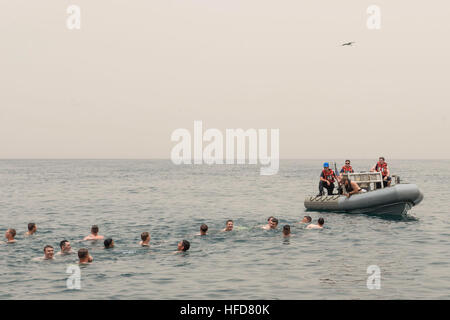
{"x": 396, "y": 200}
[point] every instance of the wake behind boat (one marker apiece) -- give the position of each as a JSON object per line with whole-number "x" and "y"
{"x": 374, "y": 198}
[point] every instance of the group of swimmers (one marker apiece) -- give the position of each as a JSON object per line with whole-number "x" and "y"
{"x": 182, "y": 246}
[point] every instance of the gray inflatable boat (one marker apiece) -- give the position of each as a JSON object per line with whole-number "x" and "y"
{"x": 394, "y": 200}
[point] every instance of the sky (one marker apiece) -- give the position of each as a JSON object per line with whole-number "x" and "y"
{"x": 138, "y": 70}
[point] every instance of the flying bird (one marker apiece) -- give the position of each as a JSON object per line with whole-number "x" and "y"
{"x": 348, "y": 43}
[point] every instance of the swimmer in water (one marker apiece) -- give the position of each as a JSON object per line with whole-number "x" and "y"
{"x": 267, "y": 226}
{"x": 49, "y": 252}
{"x": 183, "y": 246}
{"x": 109, "y": 243}
{"x": 229, "y": 226}
{"x": 319, "y": 224}
{"x": 145, "y": 236}
{"x": 287, "y": 231}
{"x": 203, "y": 230}
{"x": 94, "y": 234}
{"x": 9, "y": 235}
{"x": 65, "y": 248}
{"x": 31, "y": 229}
{"x": 84, "y": 256}
{"x": 306, "y": 219}
{"x": 273, "y": 224}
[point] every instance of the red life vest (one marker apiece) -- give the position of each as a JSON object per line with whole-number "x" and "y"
{"x": 328, "y": 175}
{"x": 346, "y": 169}
{"x": 381, "y": 168}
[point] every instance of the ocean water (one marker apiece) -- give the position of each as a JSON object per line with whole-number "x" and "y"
{"x": 126, "y": 197}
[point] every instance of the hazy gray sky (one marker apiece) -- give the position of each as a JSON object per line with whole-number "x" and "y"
{"x": 137, "y": 70}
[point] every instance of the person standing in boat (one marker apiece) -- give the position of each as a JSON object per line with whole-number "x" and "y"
{"x": 327, "y": 178}
{"x": 382, "y": 166}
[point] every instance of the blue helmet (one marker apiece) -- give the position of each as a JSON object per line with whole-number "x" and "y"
{"x": 326, "y": 165}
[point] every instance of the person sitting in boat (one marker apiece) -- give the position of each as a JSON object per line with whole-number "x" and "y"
{"x": 350, "y": 186}
{"x": 382, "y": 166}
{"x": 327, "y": 178}
{"x": 347, "y": 168}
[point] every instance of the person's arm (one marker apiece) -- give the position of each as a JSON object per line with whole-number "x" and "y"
{"x": 388, "y": 174}
{"x": 373, "y": 168}
{"x": 322, "y": 178}
{"x": 338, "y": 178}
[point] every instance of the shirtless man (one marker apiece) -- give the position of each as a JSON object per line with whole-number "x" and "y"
{"x": 183, "y": 246}
{"x": 306, "y": 219}
{"x": 229, "y": 226}
{"x": 287, "y": 230}
{"x": 84, "y": 256}
{"x": 65, "y": 248}
{"x": 49, "y": 253}
{"x": 273, "y": 223}
{"x": 267, "y": 226}
{"x": 9, "y": 235}
{"x": 319, "y": 224}
{"x": 351, "y": 187}
{"x": 109, "y": 243}
{"x": 94, "y": 234}
{"x": 145, "y": 239}
{"x": 203, "y": 230}
{"x": 31, "y": 229}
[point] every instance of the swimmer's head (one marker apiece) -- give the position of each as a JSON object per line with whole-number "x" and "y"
{"x": 273, "y": 223}
{"x": 145, "y": 236}
{"x": 203, "y": 228}
{"x": 10, "y": 234}
{"x": 109, "y": 243}
{"x": 306, "y": 219}
{"x": 49, "y": 252}
{"x": 286, "y": 230}
{"x": 320, "y": 222}
{"x": 269, "y": 218}
{"x": 83, "y": 253}
{"x": 65, "y": 246}
{"x": 184, "y": 245}
{"x": 94, "y": 229}
{"x": 32, "y": 227}
{"x": 230, "y": 225}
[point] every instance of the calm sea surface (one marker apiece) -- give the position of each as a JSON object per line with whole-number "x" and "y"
{"x": 126, "y": 197}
